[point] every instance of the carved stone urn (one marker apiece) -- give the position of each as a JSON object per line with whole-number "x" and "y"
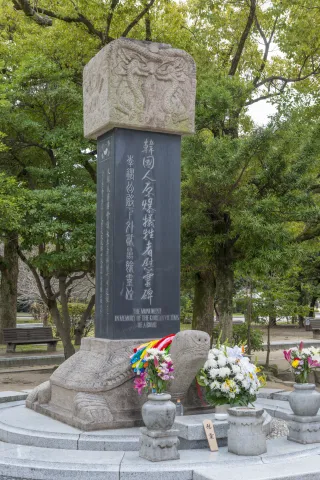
{"x": 158, "y": 413}
{"x": 246, "y": 435}
{"x": 304, "y": 400}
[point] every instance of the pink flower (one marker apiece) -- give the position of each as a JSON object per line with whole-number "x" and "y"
{"x": 140, "y": 382}
{"x": 313, "y": 363}
{"x": 156, "y": 361}
{"x": 287, "y": 355}
{"x": 300, "y": 346}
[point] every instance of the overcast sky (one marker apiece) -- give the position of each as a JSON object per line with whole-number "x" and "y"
{"x": 260, "y": 112}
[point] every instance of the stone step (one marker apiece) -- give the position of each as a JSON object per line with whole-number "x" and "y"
{"x": 20, "y": 425}
{"x": 296, "y": 469}
{"x": 12, "y": 396}
{"x": 284, "y": 460}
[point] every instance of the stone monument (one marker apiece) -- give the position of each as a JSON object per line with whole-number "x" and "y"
{"x": 139, "y": 98}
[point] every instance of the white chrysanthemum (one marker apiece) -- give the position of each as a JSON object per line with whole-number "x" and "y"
{"x": 225, "y": 387}
{"x": 224, "y": 372}
{"x": 215, "y": 385}
{"x": 222, "y": 361}
{"x": 239, "y": 377}
{"x": 245, "y": 383}
{"x": 211, "y": 363}
{"x": 213, "y": 372}
{"x": 215, "y": 351}
{"x": 236, "y": 369}
{"x": 154, "y": 352}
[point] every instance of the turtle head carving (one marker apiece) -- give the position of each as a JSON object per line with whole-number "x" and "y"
{"x": 189, "y": 351}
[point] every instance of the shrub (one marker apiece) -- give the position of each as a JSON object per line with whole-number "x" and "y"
{"x": 76, "y": 311}
{"x": 240, "y": 336}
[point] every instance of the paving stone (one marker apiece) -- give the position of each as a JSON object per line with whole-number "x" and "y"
{"x": 284, "y": 396}
{"x": 268, "y": 392}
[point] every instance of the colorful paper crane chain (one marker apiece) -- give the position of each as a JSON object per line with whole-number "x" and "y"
{"x": 138, "y": 359}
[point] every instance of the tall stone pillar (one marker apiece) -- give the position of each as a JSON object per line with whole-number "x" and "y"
{"x": 139, "y": 99}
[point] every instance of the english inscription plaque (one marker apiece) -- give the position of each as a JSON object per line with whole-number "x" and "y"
{"x": 138, "y": 235}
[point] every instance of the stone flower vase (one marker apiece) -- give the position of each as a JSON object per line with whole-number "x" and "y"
{"x": 304, "y": 400}
{"x": 158, "y": 441}
{"x": 246, "y": 435}
{"x": 158, "y": 413}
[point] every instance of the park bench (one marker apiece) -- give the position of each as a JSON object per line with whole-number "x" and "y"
{"x": 26, "y": 336}
{"x": 315, "y": 327}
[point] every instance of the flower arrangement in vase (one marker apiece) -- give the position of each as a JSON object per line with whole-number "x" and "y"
{"x": 302, "y": 361}
{"x": 154, "y": 370}
{"x": 229, "y": 377}
{"x": 304, "y": 400}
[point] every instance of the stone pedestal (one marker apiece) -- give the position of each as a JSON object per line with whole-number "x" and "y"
{"x": 159, "y": 445}
{"x": 304, "y": 429}
{"x": 246, "y": 435}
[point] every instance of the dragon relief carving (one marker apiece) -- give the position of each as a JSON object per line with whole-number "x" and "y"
{"x": 151, "y": 87}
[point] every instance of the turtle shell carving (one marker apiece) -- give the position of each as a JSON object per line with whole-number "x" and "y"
{"x": 94, "y": 371}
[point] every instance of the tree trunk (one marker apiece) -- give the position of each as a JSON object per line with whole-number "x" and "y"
{"x": 272, "y": 321}
{"x": 312, "y": 306}
{"x": 249, "y": 318}
{"x": 8, "y": 286}
{"x": 203, "y": 311}
{"x": 79, "y": 329}
{"x": 224, "y": 290}
{"x": 301, "y": 321}
{"x": 268, "y": 342}
{"x": 61, "y": 324}
{"x": 63, "y": 332}
{"x": 66, "y": 336}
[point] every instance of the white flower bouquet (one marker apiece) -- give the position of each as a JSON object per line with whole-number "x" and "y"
{"x": 229, "y": 377}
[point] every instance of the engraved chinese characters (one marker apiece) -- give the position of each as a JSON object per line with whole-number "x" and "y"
{"x": 139, "y": 85}
{"x": 129, "y": 227}
{"x": 143, "y": 251}
{"x": 148, "y": 219}
{"x": 104, "y": 229}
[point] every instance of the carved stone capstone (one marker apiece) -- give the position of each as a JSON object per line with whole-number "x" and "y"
{"x": 139, "y": 85}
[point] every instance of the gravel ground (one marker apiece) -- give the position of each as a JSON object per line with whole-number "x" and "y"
{"x": 279, "y": 428}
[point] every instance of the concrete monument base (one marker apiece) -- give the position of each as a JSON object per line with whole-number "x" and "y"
{"x": 159, "y": 445}
{"x": 304, "y": 430}
{"x": 93, "y": 389}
